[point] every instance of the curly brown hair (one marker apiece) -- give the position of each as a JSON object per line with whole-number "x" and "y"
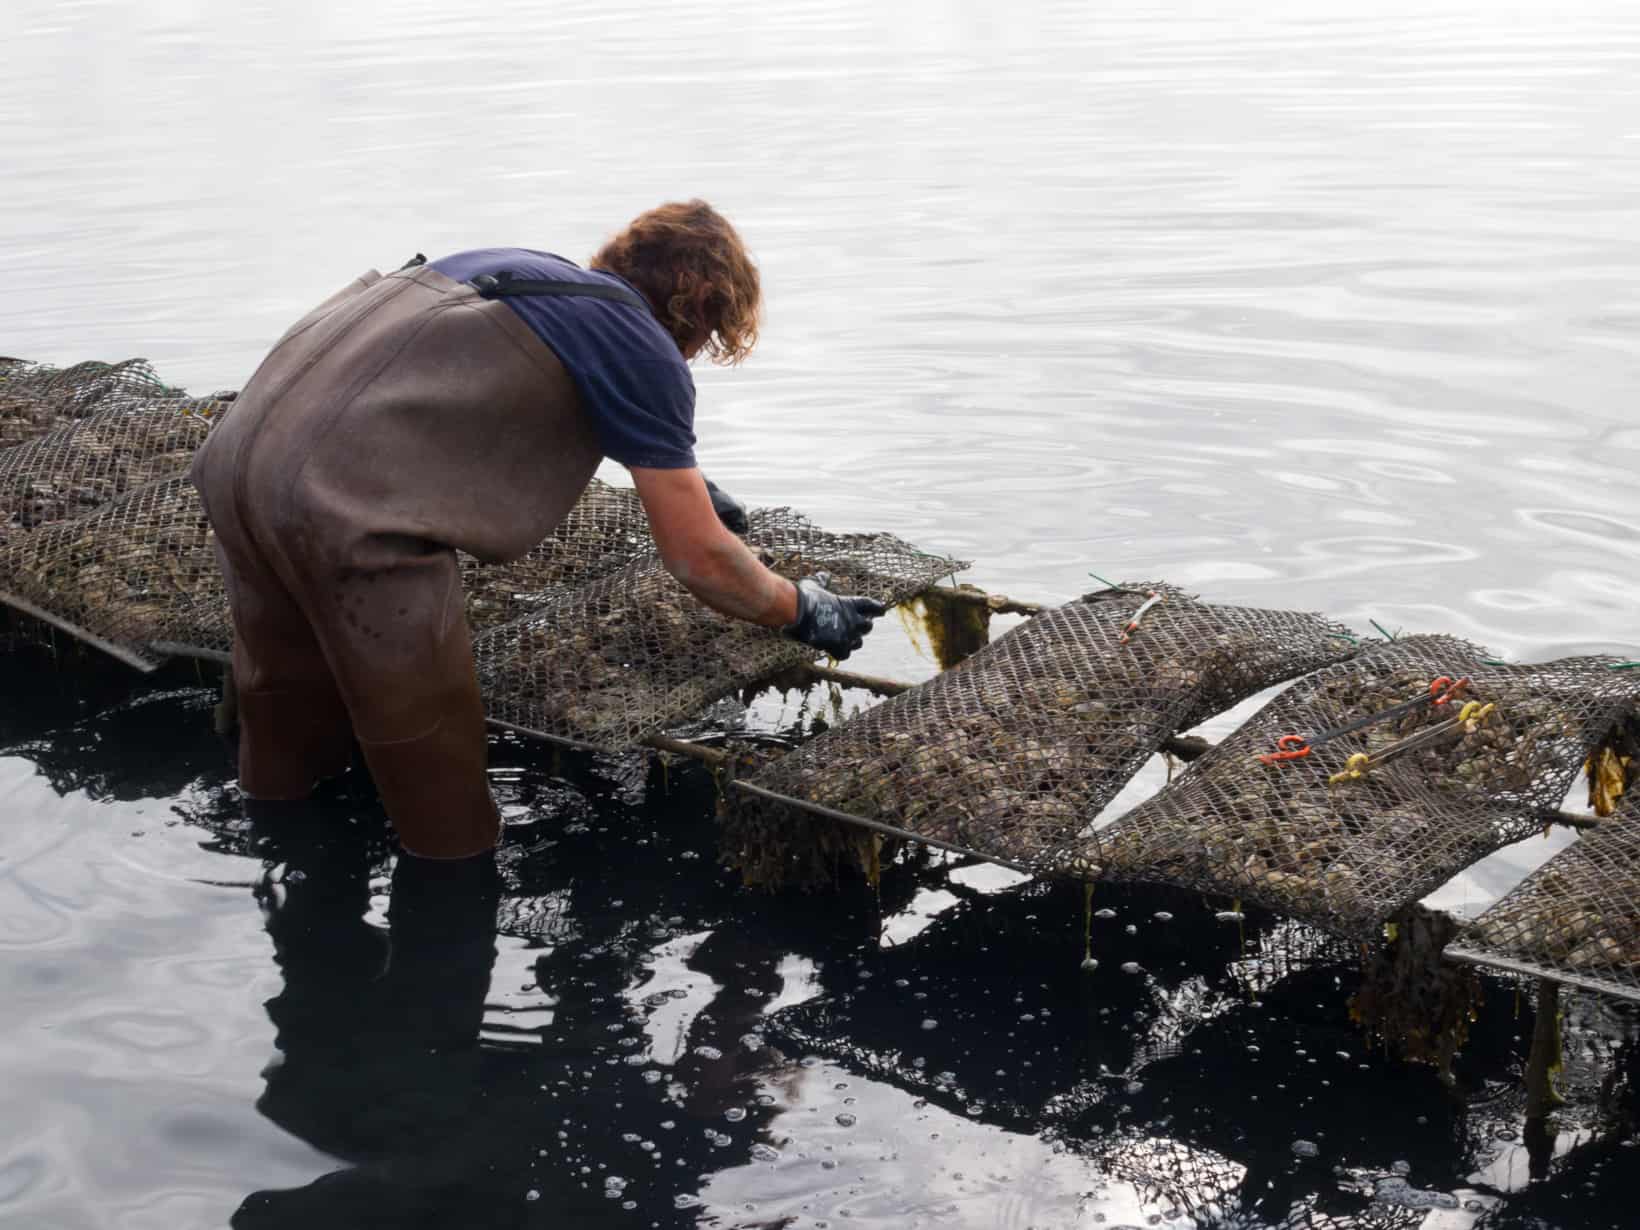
{"x": 697, "y": 275}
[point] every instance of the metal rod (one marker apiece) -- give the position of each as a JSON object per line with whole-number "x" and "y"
{"x": 660, "y": 743}
{"x": 577, "y": 744}
{"x": 849, "y": 679}
{"x": 696, "y": 751}
{"x": 177, "y": 649}
{"x": 119, "y": 652}
{"x": 877, "y": 826}
{"x": 1513, "y": 965}
{"x": 1001, "y": 604}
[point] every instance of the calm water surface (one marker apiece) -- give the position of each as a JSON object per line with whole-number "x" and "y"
{"x": 1321, "y": 306}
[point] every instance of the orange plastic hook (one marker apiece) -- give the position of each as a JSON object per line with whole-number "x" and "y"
{"x": 1293, "y": 747}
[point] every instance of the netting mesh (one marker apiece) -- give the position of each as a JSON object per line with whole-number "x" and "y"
{"x": 1011, "y": 753}
{"x": 632, "y": 653}
{"x": 1348, "y": 852}
{"x": 1577, "y": 918}
{"x": 605, "y": 530}
{"x": 36, "y": 397}
{"x": 85, "y": 463}
{"x": 136, "y": 570}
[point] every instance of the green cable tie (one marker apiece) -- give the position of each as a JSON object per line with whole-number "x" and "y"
{"x": 1102, "y": 581}
{"x": 1493, "y": 662}
{"x": 1387, "y": 634}
{"x": 1345, "y": 636}
{"x": 1623, "y": 666}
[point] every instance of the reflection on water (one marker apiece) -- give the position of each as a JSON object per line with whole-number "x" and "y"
{"x": 640, "y": 1042}
{"x": 1323, "y": 307}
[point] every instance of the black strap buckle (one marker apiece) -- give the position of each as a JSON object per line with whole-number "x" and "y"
{"x": 503, "y": 285}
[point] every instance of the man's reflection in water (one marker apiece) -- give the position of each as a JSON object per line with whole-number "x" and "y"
{"x": 377, "y": 1031}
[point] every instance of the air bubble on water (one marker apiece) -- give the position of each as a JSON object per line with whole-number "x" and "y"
{"x": 752, "y": 1042}
{"x": 653, "y": 1076}
{"x": 846, "y": 1120}
{"x": 708, "y": 1052}
{"x": 902, "y": 982}
{"x": 614, "y": 1183}
{"x": 735, "y": 1114}
{"x": 1131, "y": 929}
{"x": 686, "y": 1200}
{"x": 1162, "y": 916}
{"x": 930, "y": 1023}
{"x": 1105, "y": 913}
{"x": 1228, "y": 916}
{"x": 532, "y": 1194}
{"x": 1401, "y": 1168}
{"x": 1089, "y": 964}
{"x": 1131, "y": 967}
{"x": 764, "y": 1153}
{"x": 1132, "y": 1088}
{"x": 1306, "y": 1148}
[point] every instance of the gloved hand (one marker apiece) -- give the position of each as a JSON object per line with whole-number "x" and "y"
{"x": 830, "y": 621}
{"x": 730, "y": 511}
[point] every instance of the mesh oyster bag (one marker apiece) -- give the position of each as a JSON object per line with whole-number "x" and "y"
{"x": 1576, "y": 919}
{"x": 36, "y": 397}
{"x": 606, "y": 530}
{"x": 83, "y": 464}
{"x": 137, "y": 570}
{"x": 633, "y": 653}
{"x": 1345, "y": 842}
{"x": 1014, "y": 751}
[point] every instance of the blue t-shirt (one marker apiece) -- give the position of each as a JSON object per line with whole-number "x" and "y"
{"x": 631, "y": 376}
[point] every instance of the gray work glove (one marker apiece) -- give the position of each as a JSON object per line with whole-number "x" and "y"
{"x": 831, "y": 622}
{"x": 730, "y": 511}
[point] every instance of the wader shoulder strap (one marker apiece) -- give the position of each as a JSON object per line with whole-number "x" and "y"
{"x": 505, "y": 286}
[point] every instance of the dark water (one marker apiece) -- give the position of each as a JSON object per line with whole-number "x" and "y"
{"x": 207, "y": 1023}
{"x": 1320, "y": 306}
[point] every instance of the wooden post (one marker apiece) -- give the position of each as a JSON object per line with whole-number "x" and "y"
{"x": 1545, "y": 1058}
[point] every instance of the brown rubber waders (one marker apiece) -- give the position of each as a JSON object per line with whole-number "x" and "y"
{"x": 405, "y": 417}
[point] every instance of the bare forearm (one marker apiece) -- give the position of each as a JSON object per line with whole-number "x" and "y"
{"x": 729, "y": 578}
